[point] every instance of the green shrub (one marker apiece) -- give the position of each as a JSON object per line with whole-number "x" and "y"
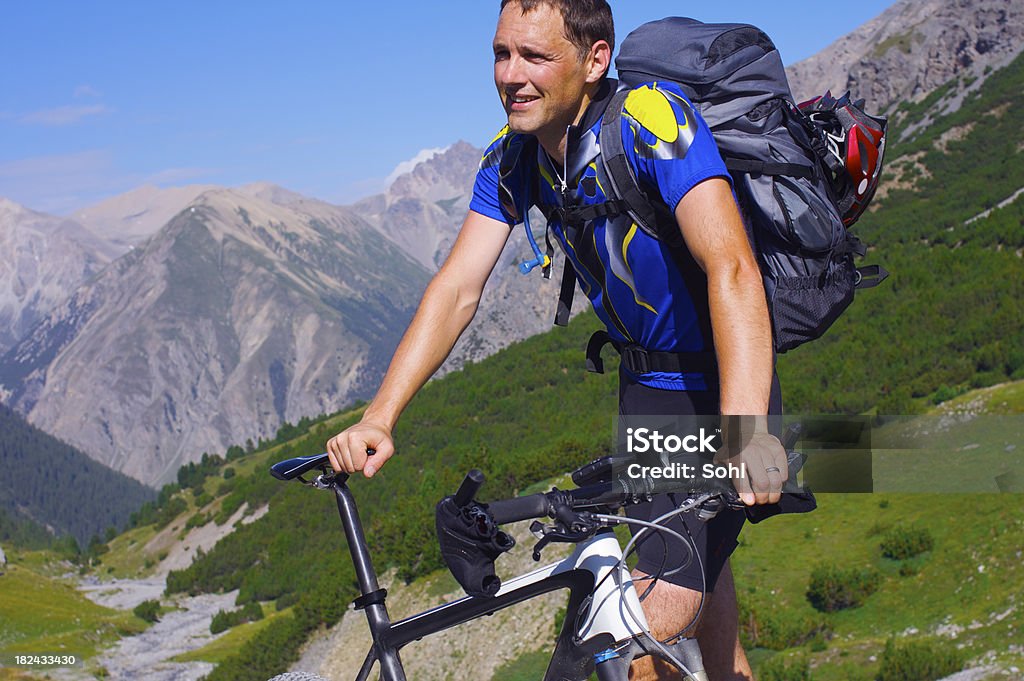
{"x": 224, "y": 620}
{"x": 909, "y": 570}
{"x": 777, "y": 628}
{"x": 833, "y": 588}
{"x": 171, "y": 510}
{"x": 782, "y": 668}
{"x": 197, "y": 520}
{"x": 269, "y": 652}
{"x": 918, "y": 661}
{"x": 229, "y": 473}
{"x": 943, "y": 394}
{"x": 286, "y": 600}
{"x": 148, "y": 610}
{"x": 902, "y": 542}
{"x": 221, "y": 622}
{"x": 231, "y": 504}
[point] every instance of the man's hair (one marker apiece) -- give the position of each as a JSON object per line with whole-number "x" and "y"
{"x": 586, "y": 21}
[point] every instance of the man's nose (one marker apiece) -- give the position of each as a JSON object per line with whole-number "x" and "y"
{"x": 511, "y": 72}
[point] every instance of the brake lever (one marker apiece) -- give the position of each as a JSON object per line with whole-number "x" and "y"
{"x": 583, "y": 527}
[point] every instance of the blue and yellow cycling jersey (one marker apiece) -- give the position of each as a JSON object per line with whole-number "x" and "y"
{"x": 637, "y": 284}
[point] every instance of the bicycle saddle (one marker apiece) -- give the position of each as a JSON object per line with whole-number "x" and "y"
{"x": 290, "y": 469}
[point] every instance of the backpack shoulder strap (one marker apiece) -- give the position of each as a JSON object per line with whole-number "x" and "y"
{"x": 624, "y": 186}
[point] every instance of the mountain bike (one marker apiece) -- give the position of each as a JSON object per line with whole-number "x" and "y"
{"x": 604, "y": 629}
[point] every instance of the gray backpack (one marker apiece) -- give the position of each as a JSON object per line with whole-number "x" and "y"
{"x": 795, "y": 195}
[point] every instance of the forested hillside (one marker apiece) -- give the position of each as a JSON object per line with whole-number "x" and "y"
{"x": 45, "y": 481}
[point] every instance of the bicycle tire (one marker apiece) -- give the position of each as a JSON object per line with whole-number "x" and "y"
{"x": 297, "y": 676}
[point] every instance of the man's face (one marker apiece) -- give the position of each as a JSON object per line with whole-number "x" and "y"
{"x": 538, "y": 72}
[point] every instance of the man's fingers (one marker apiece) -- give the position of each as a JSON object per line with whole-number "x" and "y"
{"x": 774, "y": 484}
{"x": 761, "y": 486}
{"x": 334, "y": 454}
{"x": 348, "y": 451}
{"x": 742, "y": 486}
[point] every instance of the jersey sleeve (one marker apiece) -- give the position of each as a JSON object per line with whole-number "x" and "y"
{"x": 486, "y": 199}
{"x": 668, "y": 144}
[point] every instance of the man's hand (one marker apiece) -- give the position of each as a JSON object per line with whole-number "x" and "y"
{"x": 348, "y": 449}
{"x": 764, "y": 460}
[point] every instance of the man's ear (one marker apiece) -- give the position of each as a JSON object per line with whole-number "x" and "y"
{"x": 599, "y": 61}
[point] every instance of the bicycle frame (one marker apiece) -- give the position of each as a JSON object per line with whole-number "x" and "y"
{"x": 596, "y": 616}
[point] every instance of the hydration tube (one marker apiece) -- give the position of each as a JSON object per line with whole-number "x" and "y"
{"x": 542, "y": 260}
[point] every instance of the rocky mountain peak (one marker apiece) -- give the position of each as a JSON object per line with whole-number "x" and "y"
{"x": 914, "y": 47}
{"x": 439, "y": 178}
{"x": 8, "y": 207}
{"x": 128, "y": 219}
{"x": 273, "y": 193}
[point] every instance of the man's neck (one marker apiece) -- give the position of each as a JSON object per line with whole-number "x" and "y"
{"x": 555, "y": 144}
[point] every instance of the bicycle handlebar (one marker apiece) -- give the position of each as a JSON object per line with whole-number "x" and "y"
{"x": 620, "y": 490}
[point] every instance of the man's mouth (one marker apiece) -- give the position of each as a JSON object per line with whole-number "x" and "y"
{"x": 520, "y": 102}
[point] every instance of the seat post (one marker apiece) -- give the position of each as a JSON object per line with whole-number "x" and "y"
{"x": 376, "y": 610}
{"x": 357, "y": 546}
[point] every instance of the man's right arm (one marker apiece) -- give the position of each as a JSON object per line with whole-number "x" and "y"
{"x": 447, "y": 307}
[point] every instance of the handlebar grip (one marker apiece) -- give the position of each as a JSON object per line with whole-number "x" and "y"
{"x": 599, "y": 470}
{"x": 521, "y": 508}
{"x": 790, "y": 438}
{"x": 470, "y": 486}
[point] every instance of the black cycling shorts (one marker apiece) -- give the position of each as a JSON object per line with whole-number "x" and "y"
{"x": 716, "y": 539}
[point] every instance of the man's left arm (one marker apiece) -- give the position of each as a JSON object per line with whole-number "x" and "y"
{"x": 714, "y": 234}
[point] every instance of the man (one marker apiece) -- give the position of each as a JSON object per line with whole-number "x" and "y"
{"x": 550, "y": 63}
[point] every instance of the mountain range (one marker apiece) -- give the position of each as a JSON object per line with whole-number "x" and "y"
{"x": 167, "y": 323}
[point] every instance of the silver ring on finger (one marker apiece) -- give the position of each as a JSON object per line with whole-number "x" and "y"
{"x": 772, "y": 469}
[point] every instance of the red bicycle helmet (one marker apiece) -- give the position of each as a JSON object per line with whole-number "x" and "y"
{"x": 856, "y": 144}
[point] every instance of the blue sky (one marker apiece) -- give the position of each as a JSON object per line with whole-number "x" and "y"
{"x": 324, "y": 98}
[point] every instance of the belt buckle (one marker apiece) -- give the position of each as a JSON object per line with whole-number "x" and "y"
{"x": 639, "y": 359}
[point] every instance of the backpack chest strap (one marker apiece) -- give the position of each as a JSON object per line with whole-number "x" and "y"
{"x": 575, "y": 216}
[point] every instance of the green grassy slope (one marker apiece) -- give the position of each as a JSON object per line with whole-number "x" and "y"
{"x": 46, "y": 614}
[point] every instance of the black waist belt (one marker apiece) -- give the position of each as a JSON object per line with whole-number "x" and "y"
{"x": 642, "y": 361}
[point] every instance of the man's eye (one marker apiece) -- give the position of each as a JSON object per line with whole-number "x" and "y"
{"x": 500, "y": 56}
